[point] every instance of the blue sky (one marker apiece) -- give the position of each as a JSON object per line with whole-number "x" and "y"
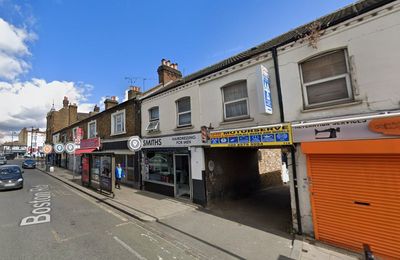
{"x": 94, "y": 45}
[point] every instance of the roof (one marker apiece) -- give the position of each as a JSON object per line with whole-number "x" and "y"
{"x": 96, "y": 115}
{"x": 326, "y": 21}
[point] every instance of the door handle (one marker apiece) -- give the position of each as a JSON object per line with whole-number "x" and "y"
{"x": 362, "y": 203}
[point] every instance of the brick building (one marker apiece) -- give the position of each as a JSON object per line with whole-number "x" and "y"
{"x": 108, "y": 132}
{"x": 64, "y": 117}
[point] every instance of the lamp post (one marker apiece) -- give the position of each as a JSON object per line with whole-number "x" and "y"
{"x": 12, "y": 141}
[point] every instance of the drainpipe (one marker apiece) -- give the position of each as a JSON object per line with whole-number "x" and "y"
{"x": 292, "y": 150}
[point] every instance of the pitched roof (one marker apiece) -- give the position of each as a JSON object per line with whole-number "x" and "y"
{"x": 326, "y": 21}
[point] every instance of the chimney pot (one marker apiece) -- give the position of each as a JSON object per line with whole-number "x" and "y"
{"x": 163, "y": 62}
{"x": 168, "y": 63}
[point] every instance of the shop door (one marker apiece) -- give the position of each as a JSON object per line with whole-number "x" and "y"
{"x": 182, "y": 176}
{"x": 356, "y": 201}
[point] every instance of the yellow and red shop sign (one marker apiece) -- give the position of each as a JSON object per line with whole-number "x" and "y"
{"x": 274, "y": 135}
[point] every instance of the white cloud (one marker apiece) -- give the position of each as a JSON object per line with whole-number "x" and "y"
{"x": 14, "y": 50}
{"x": 25, "y": 104}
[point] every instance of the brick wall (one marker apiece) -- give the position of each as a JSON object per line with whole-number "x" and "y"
{"x": 103, "y": 122}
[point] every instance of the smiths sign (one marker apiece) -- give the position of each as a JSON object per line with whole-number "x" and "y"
{"x": 261, "y": 136}
{"x": 173, "y": 141}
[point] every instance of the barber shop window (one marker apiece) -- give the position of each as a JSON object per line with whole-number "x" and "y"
{"x": 236, "y": 101}
{"x": 184, "y": 115}
{"x": 326, "y": 79}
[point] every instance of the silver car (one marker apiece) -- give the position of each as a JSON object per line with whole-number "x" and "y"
{"x": 3, "y": 160}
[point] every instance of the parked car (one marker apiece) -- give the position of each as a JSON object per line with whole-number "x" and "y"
{"x": 27, "y": 155}
{"x": 3, "y": 160}
{"x": 11, "y": 177}
{"x": 29, "y": 164}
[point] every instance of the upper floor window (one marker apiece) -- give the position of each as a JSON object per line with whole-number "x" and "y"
{"x": 183, "y": 112}
{"x": 154, "y": 119}
{"x": 92, "y": 129}
{"x": 74, "y": 133}
{"x": 118, "y": 122}
{"x": 236, "y": 101}
{"x": 326, "y": 79}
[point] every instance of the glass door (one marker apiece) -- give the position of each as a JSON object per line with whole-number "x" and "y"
{"x": 182, "y": 176}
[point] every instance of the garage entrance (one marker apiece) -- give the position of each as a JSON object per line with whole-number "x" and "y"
{"x": 246, "y": 185}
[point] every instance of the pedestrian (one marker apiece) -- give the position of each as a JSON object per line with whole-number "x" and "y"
{"x": 119, "y": 173}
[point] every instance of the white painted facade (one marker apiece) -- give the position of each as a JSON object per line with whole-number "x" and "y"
{"x": 372, "y": 44}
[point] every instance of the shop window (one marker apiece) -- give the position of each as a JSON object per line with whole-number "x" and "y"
{"x": 236, "y": 101}
{"x": 160, "y": 168}
{"x": 154, "y": 119}
{"x": 118, "y": 122}
{"x": 183, "y": 112}
{"x": 92, "y": 129}
{"x": 326, "y": 79}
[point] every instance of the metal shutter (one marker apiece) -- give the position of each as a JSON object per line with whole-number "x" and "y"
{"x": 356, "y": 200}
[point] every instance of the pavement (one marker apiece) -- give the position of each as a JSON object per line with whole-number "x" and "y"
{"x": 199, "y": 228}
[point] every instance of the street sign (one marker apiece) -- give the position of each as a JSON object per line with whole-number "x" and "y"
{"x": 47, "y": 149}
{"x": 134, "y": 143}
{"x": 70, "y": 148}
{"x": 59, "y": 148}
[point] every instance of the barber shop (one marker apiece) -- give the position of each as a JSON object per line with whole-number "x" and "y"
{"x": 172, "y": 164}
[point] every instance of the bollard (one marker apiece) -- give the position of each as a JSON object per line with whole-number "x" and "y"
{"x": 51, "y": 169}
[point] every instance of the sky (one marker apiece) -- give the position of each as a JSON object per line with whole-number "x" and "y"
{"x": 92, "y": 49}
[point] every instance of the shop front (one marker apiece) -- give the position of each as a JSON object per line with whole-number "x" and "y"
{"x": 353, "y": 170}
{"x": 171, "y": 165}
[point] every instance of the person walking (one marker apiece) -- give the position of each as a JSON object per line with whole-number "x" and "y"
{"x": 119, "y": 173}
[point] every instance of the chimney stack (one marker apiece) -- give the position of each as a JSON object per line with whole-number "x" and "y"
{"x": 65, "y": 102}
{"x": 168, "y": 72}
{"x": 133, "y": 92}
{"x": 96, "y": 109}
{"x": 110, "y": 102}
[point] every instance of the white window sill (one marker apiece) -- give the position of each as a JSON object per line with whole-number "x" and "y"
{"x": 350, "y": 103}
{"x": 113, "y": 134}
{"x": 179, "y": 128}
{"x": 235, "y": 121}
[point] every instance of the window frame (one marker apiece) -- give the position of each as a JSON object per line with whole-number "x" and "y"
{"x": 74, "y": 132}
{"x": 95, "y": 129}
{"x": 346, "y": 76}
{"x": 235, "y": 101}
{"x": 183, "y": 113}
{"x": 152, "y": 121}
{"x": 113, "y": 115}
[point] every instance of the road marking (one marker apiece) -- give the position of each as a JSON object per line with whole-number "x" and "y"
{"x": 41, "y": 203}
{"x": 61, "y": 240}
{"x": 122, "y": 224}
{"x": 130, "y": 249}
{"x": 98, "y": 205}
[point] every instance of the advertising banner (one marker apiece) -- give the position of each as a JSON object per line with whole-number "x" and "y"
{"x": 261, "y": 136}
{"x": 90, "y": 143}
{"x": 350, "y": 129}
{"x": 85, "y": 169}
{"x": 264, "y": 90}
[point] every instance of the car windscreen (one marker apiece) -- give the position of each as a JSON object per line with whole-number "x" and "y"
{"x": 10, "y": 172}
{"x": 29, "y": 161}
{"x": 2, "y": 158}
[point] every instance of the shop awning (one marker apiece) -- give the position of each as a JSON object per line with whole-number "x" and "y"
{"x": 86, "y": 150}
{"x": 121, "y": 151}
